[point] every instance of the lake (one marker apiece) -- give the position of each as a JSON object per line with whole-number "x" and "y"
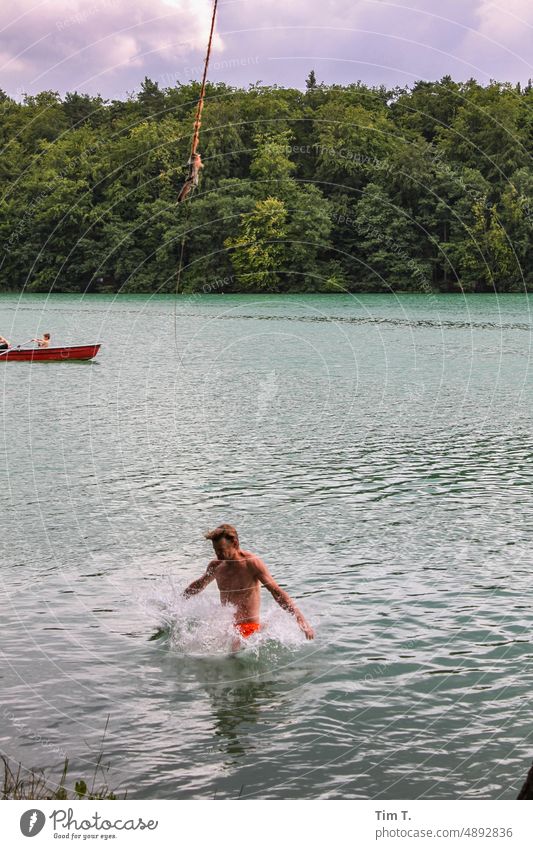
{"x": 374, "y": 450}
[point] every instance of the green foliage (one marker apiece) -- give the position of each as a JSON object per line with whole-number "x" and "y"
{"x": 258, "y": 251}
{"x": 271, "y": 166}
{"x": 390, "y": 244}
{"x": 19, "y": 783}
{"x": 281, "y": 239}
{"x": 486, "y": 131}
{"x": 427, "y": 108}
{"x": 352, "y": 142}
{"x": 331, "y": 188}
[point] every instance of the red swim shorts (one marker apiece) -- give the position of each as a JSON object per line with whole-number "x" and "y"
{"x": 246, "y": 629}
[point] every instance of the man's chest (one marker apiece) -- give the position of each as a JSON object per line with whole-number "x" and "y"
{"x": 229, "y": 579}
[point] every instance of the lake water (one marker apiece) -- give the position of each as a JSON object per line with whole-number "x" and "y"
{"x": 375, "y": 451}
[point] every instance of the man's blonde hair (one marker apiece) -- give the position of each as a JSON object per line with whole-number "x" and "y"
{"x": 227, "y": 531}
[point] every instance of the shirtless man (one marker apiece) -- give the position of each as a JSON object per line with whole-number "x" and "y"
{"x": 44, "y": 342}
{"x": 4, "y": 344}
{"x": 195, "y": 163}
{"x": 239, "y": 575}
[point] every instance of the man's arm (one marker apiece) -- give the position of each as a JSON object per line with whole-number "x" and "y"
{"x": 283, "y": 599}
{"x": 201, "y": 583}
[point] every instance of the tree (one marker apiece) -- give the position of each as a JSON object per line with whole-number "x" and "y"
{"x": 257, "y": 253}
{"x": 390, "y": 244}
{"x": 486, "y": 132}
{"x": 429, "y": 186}
{"x": 45, "y": 119}
{"x": 427, "y": 108}
{"x": 151, "y": 98}
{"x": 82, "y": 108}
{"x": 305, "y": 219}
{"x": 310, "y": 82}
{"x": 352, "y": 141}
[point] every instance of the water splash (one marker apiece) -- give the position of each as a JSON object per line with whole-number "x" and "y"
{"x": 201, "y": 626}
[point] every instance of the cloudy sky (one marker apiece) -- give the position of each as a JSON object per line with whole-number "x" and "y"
{"x": 109, "y": 46}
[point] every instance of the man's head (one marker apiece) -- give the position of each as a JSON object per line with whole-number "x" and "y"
{"x": 46, "y": 336}
{"x": 225, "y": 541}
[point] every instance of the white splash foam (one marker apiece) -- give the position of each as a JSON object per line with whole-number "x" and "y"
{"x": 200, "y": 625}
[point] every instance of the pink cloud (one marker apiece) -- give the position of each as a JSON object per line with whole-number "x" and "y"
{"x": 110, "y": 45}
{"x": 69, "y": 44}
{"x": 502, "y": 39}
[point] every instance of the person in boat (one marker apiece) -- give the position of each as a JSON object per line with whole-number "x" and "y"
{"x": 195, "y": 163}
{"x": 44, "y": 342}
{"x": 239, "y": 575}
{"x": 4, "y": 344}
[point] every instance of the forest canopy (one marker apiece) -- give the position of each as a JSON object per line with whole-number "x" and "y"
{"x": 330, "y": 189}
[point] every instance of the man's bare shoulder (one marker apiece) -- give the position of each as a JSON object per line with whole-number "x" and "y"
{"x": 213, "y": 565}
{"x": 254, "y": 562}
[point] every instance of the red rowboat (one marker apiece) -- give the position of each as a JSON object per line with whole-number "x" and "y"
{"x": 75, "y": 352}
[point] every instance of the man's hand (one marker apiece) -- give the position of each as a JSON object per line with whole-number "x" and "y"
{"x": 306, "y": 628}
{"x": 282, "y": 598}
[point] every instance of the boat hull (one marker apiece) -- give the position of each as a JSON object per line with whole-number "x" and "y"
{"x": 73, "y": 352}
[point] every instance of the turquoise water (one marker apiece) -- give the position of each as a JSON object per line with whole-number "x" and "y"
{"x": 374, "y": 451}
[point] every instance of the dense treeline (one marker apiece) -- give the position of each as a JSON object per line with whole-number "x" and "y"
{"x": 333, "y": 188}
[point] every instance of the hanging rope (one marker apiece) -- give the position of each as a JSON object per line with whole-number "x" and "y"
{"x": 178, "y": 278}
{"x": 195, "y": 162}
{"x": 198, "y": 119}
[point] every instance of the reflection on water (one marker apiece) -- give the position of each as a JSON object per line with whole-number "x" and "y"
{"x": 237, "y": 715}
